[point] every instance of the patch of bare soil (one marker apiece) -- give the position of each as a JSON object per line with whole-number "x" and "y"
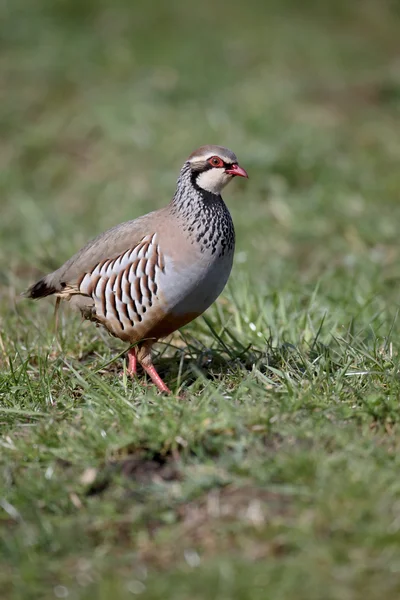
{"x": 240, "y": 520}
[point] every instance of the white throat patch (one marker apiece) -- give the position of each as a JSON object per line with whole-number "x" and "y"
{"x": 213, "y": 180}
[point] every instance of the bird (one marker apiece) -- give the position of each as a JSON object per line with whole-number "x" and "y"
{"x": 148, "y": 277}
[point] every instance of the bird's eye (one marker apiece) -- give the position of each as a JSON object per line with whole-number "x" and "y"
{"x": 215, "y": 161}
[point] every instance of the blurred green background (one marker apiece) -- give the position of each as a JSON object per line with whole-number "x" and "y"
{"x": 101, "y": 103}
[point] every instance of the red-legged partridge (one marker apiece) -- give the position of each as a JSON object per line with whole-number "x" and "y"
{"x": 146, "y": 278}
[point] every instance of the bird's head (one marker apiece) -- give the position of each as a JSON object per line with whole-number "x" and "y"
{"x": 213, "y": 167}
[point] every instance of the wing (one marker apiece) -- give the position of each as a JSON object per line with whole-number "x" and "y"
{"x": 124, "y": 289}
{"x": 107, "y": 245}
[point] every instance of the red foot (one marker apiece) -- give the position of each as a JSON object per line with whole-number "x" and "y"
{"x": 156, "y": 379}
{"x": 151, "y": 371}
{"x": 132, "y": 362}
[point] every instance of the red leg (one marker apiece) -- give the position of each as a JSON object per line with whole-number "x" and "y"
{"x": 156, "y": 379}
{"x": 132, "y": 362}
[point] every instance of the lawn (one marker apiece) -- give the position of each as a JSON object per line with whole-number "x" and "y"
{"x": 276, "y": 476}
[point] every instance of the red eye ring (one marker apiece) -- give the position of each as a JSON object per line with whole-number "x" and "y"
{"x": 215, "y": 161}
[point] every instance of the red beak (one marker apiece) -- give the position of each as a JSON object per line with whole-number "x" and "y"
{"x": 236, "y": 171}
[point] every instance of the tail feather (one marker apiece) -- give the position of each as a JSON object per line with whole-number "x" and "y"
{"x": 40, "y": 289}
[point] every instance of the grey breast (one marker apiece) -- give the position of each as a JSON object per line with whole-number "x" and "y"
{"x": 198, "y": 281}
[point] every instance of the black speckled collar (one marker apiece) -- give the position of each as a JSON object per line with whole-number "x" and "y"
{"x": 206, "y": 218}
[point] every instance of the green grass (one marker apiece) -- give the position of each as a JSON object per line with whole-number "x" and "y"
{"x": 277, "y": 475}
